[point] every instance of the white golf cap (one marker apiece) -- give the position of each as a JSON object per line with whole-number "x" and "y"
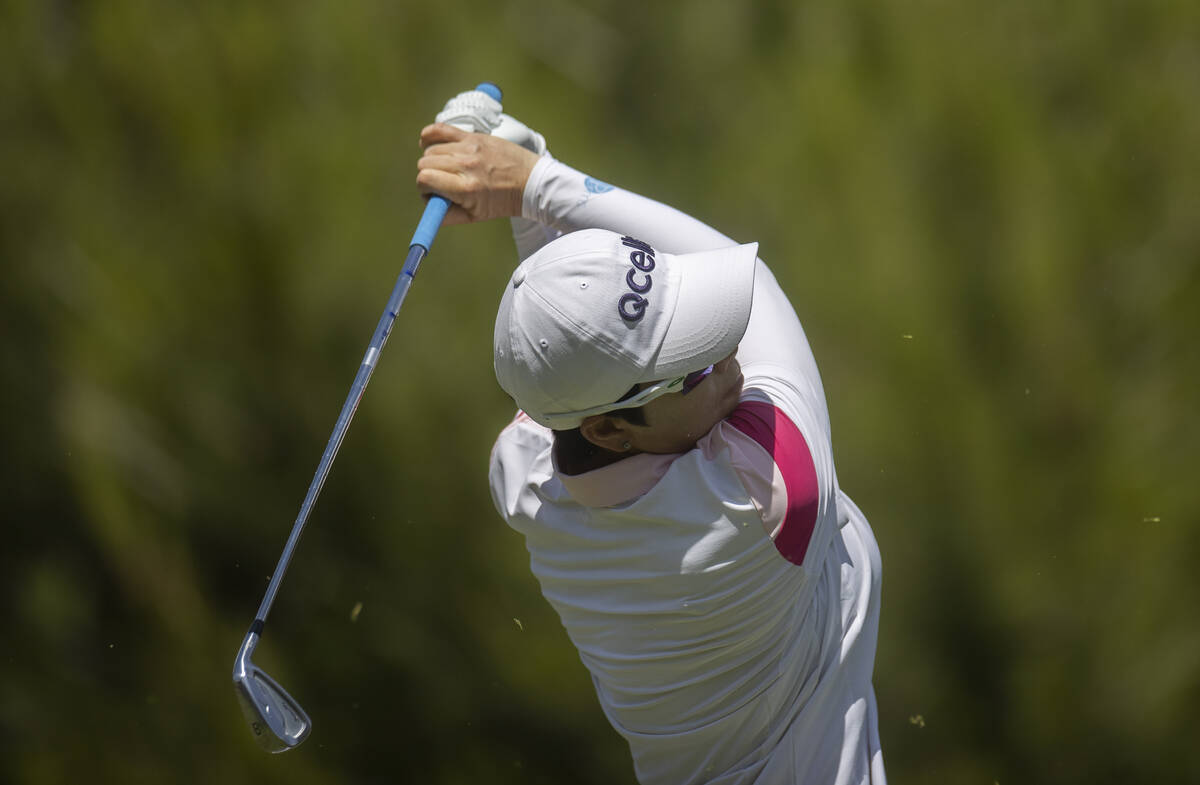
{"x": 593, "y": 313}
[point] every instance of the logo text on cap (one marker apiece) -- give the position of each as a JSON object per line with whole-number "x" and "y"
{"x": 632, "y": 305}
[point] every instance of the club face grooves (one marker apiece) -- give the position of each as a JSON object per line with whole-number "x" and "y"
{"x": 278, "y": 722}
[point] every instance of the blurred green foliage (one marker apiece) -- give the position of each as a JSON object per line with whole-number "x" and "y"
{"x": 987, "y": 215}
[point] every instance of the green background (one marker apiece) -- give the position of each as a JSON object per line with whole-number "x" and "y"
{"x": 987, "y": 215}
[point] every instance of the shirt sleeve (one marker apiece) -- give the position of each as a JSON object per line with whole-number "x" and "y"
{"x": 776, "y": 357}
{"x": 778, "y": 438}
{"x": 529, "y": 236}
{"x": 516, "y": 448}
{"x": 567, "y": 200}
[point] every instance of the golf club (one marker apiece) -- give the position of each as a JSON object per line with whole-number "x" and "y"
{"x": 278, "y": 721}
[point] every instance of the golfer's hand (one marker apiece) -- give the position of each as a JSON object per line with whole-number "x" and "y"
{"x": 483, "y": 176}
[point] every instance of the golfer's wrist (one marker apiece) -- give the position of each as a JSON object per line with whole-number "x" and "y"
{"x": 530, "y": 200}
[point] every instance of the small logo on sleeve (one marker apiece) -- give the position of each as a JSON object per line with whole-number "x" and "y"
{"x": 596, "y": 186}
{"x": 632, "y": 305}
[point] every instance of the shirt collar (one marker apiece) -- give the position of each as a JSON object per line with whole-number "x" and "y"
{"x": 619, "y": 482}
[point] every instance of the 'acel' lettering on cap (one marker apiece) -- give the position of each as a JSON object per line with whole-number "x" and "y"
{"x": 632, "y": 305}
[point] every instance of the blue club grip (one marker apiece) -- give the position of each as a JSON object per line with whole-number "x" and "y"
{"x": 435, "y": 211}
{"x": 431, "y": 221}
{"x": 490, "y": 89}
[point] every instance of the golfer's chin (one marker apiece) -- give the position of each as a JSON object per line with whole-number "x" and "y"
{"x": 733, "y": 392}
{"x": 730, "y": 402}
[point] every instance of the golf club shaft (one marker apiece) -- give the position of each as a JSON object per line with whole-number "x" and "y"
{"x": 431, "y": 221}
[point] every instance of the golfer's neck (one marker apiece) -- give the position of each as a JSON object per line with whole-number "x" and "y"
{"x": 577, "y": 462}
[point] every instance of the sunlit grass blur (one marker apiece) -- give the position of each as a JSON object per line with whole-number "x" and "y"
{"x": 987, "y": 216}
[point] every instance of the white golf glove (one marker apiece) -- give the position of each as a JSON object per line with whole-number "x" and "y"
{"x": 515, "y": 131}
{"x": 478, "y": 112}
{"x": 474, "y": 111}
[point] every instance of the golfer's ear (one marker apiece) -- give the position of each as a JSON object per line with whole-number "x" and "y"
{"x": 606, "y": 432}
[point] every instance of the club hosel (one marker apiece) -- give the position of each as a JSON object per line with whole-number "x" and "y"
{"x": 248, "y": 644}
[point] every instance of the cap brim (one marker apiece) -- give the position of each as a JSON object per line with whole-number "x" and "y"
{"x": 716, "y": 290}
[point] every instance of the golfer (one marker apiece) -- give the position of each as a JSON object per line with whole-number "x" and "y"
{"x": 671, "y": 470}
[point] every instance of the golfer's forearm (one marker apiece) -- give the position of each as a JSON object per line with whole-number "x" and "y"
{"x": 567, "y": 200}
{"x": 530, "y": 235}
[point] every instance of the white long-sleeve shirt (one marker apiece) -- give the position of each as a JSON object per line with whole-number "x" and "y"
{"x": 725, "y": 600}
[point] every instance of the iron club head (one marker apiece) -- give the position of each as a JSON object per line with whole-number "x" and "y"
{"x": 278, "y": 721}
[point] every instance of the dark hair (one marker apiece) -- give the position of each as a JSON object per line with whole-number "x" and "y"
{"x": 573, "y": 447}
{"x": 633, "y": 415}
